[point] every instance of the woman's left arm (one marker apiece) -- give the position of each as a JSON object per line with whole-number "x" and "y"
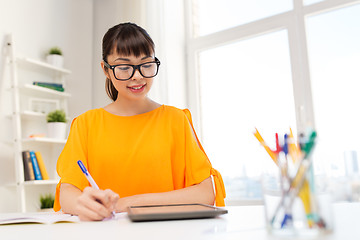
{"x": 199, "y": 193}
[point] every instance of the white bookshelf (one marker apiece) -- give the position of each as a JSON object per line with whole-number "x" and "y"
{"x": 42, "y": 91}
{"x": 44, "y": 140}
{"x": 27, "y": 121}
{"x": 45, "y": 66}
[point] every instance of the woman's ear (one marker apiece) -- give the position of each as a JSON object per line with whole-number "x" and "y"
{"x": 105, "y": 69}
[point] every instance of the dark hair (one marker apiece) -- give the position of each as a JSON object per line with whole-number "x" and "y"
{"x": 126, "y": 39}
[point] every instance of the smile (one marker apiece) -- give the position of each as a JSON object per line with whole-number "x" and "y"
{"x": 137, "y": 87}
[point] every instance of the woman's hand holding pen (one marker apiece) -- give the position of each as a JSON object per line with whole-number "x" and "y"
{"x": 94, "y": 204}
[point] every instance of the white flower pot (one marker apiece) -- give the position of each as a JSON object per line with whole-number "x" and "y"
{"x": 56, "y": 60}
{"x": 56, "y": 130}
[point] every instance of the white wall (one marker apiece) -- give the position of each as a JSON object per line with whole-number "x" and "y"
{"x": 106, "y": 15}
{"x": 166, "y": 24}
{"x": 36, "y": 26}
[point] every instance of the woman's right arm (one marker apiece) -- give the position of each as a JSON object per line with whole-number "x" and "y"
{"x": 90, "y": 205}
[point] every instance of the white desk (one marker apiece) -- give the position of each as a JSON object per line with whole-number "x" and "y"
{"x": 245, "y": 222}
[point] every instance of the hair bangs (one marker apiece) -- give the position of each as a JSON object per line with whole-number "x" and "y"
{"x": 133, "y": 43}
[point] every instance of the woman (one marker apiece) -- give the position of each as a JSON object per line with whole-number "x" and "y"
{"x": 139, "y": 151}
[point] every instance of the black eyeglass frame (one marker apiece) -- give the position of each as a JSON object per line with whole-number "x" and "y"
{"x": 112, "y": 67}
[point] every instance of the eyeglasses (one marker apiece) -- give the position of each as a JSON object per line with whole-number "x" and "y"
{"x": 124, "y": 72}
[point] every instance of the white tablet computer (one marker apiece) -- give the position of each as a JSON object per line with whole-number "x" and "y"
{"x": 173, "y": 212}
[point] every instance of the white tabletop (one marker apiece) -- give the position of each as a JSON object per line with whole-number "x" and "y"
{"x": 243, "y": 222}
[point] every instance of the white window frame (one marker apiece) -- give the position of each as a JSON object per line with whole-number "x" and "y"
{"x": 294, "y": 22}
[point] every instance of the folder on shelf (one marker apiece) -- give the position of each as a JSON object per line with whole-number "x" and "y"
{"x": 43, "y": 170}
{"x": 35, "y": 166}
{"x": 28, "y": 166}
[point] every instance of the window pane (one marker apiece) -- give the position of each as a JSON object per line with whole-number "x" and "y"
{"x": 212, "y": 15}
{"x": 242, "y": 86}
{"x": 309, "y": 2}
{"x": 334, "y": 54}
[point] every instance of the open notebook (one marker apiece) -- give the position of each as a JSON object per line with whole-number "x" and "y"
{"x": 45, "y": 218}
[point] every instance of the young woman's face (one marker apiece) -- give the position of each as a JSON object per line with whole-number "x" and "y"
{"x": 137, "y": 86}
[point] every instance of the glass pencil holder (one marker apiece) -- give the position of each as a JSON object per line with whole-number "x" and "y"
{"x": 296, "y": 204}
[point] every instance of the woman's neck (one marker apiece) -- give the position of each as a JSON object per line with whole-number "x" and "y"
{"x": 130, "y": 108}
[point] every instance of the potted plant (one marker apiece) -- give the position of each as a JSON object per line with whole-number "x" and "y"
{"x": 55, "y": 57}
{"x": 56, "y": 124}
{"x": 47, "y": 202}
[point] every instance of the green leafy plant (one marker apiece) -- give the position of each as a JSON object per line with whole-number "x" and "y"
{"x": 55, "y": 50}
{"x": 56, "y": 116}
{"x": 47, "y": 201}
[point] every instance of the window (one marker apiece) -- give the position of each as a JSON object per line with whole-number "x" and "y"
{"x": 213, "y": 15}
{"x": 267, "y": 70}
{"x": 244, "y": 85}
{"x": 309, "y": 2}
{"x": 334, "y": 54}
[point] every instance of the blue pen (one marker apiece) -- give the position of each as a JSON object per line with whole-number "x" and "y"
{"x": 89, "y": 178}
{"x": 286, "y": 145}
{"x": 285, "y": 148}
{"x": 287, "y": 220}
{"x": 87, "y": 175}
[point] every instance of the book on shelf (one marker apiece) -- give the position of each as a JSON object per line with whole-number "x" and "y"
{"x": 48, "y": 84}
{"x": 43, "y": 171}
{"x": 28, "y": 167}
{"x": 36, "y": 167}
{"x": 54, "y": 86}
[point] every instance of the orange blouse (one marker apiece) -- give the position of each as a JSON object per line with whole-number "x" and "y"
{"x": 146, "y": 153}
